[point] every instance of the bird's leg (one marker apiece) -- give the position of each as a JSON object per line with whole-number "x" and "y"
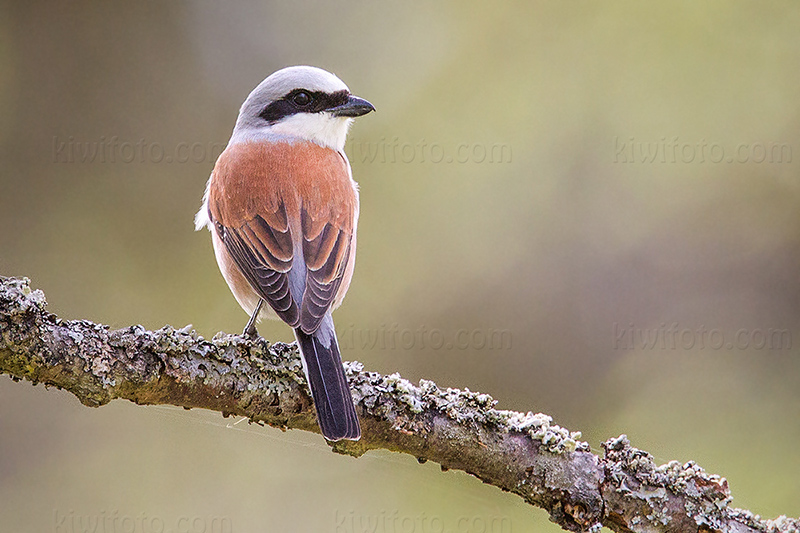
{"x": 250, "y": 330}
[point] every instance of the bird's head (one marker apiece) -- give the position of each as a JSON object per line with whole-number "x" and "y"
{"x": 300, "y": 102}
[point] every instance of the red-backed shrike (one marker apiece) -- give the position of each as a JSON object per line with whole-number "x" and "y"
{"x": 282, "y": 208}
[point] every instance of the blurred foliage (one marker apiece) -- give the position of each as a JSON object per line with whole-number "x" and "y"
{"x": 562, "y": 245}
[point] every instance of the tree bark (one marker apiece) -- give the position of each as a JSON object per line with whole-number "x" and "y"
{"x": 523, "y": 453}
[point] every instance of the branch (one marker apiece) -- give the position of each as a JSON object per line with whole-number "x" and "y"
{"x": 521, "y": 453}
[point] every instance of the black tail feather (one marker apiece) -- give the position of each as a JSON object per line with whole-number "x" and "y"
{"x": 336, "y": 413}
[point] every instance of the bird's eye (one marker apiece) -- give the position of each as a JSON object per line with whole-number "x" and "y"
{"x": 302, "y": 99}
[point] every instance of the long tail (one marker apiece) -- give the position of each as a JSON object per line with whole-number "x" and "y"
{"x": 323, "y": 366}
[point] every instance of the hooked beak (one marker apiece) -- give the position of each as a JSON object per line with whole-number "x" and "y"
{"x": 354, "y": 107}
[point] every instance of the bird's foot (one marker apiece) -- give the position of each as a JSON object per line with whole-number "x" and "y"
{"x": 250, "y": 330}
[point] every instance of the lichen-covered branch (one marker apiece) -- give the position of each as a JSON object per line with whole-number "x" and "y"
{"x": 522, "y": 453}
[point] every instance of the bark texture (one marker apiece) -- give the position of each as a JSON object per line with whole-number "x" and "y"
{"x": 523, "y": 453}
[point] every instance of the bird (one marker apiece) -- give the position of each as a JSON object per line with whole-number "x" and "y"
{"x": 282, "y": 208}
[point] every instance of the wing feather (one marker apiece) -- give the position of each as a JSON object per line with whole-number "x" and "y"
{"x": 326, "y": 254}
{"x": 259, "y": 196}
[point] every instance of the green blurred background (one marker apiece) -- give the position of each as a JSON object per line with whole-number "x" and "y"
{"x": 506, "y": 189}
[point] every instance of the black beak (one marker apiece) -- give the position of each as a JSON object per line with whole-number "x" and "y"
{"x": 354, "y": 107}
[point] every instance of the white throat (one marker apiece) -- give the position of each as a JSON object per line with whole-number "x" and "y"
{"x": 321, "y": 128}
